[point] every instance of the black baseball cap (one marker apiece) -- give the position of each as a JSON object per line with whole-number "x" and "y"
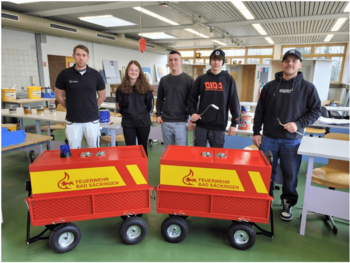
{"x": 218, "y": 52}
{"x": 292, "y": 52}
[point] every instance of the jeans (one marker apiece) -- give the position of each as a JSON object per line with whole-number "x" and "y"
{"x": 130, "y": 135}
{"x": 215, "y": 138}
{"x": 285, "y": 150}
{"x": 174, "y": 133}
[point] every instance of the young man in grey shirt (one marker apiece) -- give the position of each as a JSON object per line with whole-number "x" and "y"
{"x": 172, "y": 112}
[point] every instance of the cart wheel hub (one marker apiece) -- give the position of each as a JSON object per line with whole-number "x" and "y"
{"x": 174, "y": 231}
{"x": 66, "y": 239}
{"x": 241, "y": 237}
{"x": 133, "y": 232}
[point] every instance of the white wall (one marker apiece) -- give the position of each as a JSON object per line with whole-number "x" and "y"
{"x": 346, "y": 76}
{"x": 18, "y": 59}
{"x": 98, "y": 52}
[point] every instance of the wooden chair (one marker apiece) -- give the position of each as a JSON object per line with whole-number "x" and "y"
{"x": 59, "y": 126}
{"x": 118, "y": 138}
{"x": 329, "y": 101}
{"x": 334, "y": 175}
{"x": 319, "y": 131}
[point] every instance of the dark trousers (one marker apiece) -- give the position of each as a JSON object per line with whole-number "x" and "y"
{"x": 130, "y": 135}
{"x": 285, "y": 150}
{"x": 215, "y": 138}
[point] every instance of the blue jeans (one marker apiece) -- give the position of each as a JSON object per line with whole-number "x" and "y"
{"x": 285, "y": 150}
{"x": 174, "y": 133}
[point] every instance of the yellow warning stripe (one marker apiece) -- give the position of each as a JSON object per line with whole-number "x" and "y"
{"x": 136, "y": 174}
{"x": 258, "y": 182}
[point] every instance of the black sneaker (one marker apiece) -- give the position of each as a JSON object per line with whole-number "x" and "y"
{"x": 286, "y": 213}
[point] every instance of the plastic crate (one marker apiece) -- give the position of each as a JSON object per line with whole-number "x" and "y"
{"x": 48, "y": 95}
{"x": 10, "y": 138}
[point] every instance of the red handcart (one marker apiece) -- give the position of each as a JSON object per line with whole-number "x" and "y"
{"x": 90, "y": 184}
{"x": 215, "y": 183}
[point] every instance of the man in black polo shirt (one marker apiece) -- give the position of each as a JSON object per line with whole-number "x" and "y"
{"x": 81, "y": 84}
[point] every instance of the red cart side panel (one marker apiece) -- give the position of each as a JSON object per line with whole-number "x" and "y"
{"x": 83, "y": 188}
{"x": 213, "y": 205}
{"x": 48, "y": 209}
{"x": 243, "y": 171}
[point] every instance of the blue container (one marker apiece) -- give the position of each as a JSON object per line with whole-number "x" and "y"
{"x": 105, "y": 116}
{"x": 48, "y": 95}
{"x": 11, "y": 138}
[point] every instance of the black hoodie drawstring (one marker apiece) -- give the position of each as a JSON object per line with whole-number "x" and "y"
{"x": 279, "y": 85}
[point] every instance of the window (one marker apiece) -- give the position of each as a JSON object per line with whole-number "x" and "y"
{"x": 199, "y": 61}
{"x": 333, "y": 51}
{"x": 234, "y": 52}
{"x": 329, "y": 50}
{"x": 260, "y": 51}
{"x": 187, "y": 54}
{"x": 266, "y": 60}
{"x": 302, "y": 50}
{"x": 253, "y": 61}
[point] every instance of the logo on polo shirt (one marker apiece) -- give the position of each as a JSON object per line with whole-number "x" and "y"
{"x": 73, "y": 81}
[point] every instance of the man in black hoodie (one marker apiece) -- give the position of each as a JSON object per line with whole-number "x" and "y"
{"x": 286, "y": 106}
{"x": 218, "y": 93}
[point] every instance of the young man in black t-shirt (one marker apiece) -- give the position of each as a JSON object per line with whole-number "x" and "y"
{"x": 81, "y": 83}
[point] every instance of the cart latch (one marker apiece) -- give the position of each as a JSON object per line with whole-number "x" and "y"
{"x": 206, "y": 154}
{"x": 221, "y": 155}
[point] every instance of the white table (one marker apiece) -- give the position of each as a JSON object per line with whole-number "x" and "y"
{"x": 59, "y": 116}
{"x": 109, "y": 105}
{"x": 317, "y": 199}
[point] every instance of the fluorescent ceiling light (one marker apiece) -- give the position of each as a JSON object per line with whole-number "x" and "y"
{"x": 195, "y": 32}
{"x": 328, "y": 38}
{"x": 268, "y": 39}
{"x": 156, "y": 35}
{"x": 242, "y": 8}
{"x": 259, "y": 29}
{"x": 219, "y": 42}
{"x": 339, "y": 23}
{"x": 347, "y": 8}
{"x": 22, "y": 1}
{"x": 106, "y": 21}
{"x": 138, "y": 8}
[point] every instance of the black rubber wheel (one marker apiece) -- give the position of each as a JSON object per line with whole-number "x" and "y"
{"x": 125, "y": 217}
{"x": 133, "y": 230}
{"x": 241, "y": 235}
{"x": 174, "y": 229}
{"x": 184, "y": 217}
{"x": 64, "y": 237}
{"x": 150, "y": 143}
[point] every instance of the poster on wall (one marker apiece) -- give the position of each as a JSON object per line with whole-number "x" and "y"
{"x": 160, "y": 71}
{"x": 148, "y": 74}
{"x": 111, "y": 70}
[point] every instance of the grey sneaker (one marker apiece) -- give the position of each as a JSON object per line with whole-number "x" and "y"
{"x": 286, "y": 213}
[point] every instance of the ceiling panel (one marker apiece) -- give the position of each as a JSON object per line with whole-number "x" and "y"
{"x": 284, "y": 21}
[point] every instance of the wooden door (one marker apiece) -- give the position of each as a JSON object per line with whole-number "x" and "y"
{"x": 248, "y": 80}
{"x": 197, "y": 70}
{"x": 56, "y": 65}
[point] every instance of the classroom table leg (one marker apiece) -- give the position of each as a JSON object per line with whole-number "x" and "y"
{"x": 38, "y": 131}
{"x": 310, "y": 167}
{"x": 112, "y": 137}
